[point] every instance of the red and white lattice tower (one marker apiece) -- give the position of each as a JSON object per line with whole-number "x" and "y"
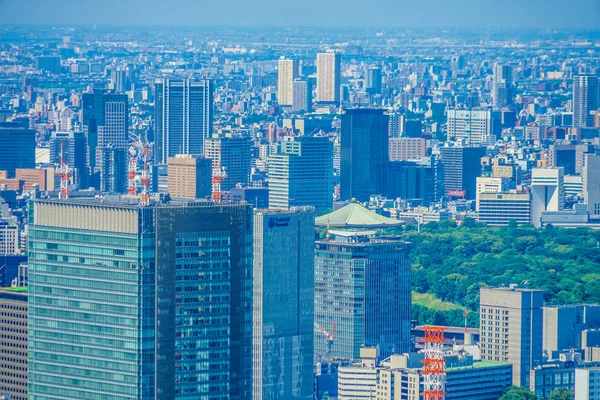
{"x": 145, "y": 199}
{"x": 434, "y": 375}
{"x": 64, "y": 172}
{"x": 132, "y": 169}
{"x": 218, "y": 176}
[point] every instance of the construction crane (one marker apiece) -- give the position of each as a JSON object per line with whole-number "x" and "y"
{"x": 218, "y": 176}
{"x": 64, "y": 172}
{"x": 329, "y": 336}
{"x": 145, "y": 179}
{"x": 137, "y": 151}
{"x": 132, "y": 168}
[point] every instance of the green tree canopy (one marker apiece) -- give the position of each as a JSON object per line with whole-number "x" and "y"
{"x": 518, "y": 393}
{"x": 562, "y": 394}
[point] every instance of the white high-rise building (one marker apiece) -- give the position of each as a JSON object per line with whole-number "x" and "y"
{"x": 9, "y": 238}
{"x": 591, "y": 182}
{"x": 587, "y": 383}
{"x": 329, "y": 73}
{"x": 474, "y": 126}
{"x": 547, "y": 192}
{"x": 287, "y": 72}
{"x": 502, "y": 88}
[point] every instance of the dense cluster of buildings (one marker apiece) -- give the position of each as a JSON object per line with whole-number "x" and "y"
{"x": 159, "y": 196}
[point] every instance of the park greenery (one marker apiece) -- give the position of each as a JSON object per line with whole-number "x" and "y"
{"x": 523, "y": 393}
{"x": 451, "y": 263}
{"x": 518, "y": 393}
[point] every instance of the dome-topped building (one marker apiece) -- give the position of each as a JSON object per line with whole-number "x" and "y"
{"x": 355, "y": 215}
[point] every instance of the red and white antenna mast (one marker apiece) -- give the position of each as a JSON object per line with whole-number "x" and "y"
{"x": 434, "y": 375}
{"x": 65, "y": 173}
{"x": 145, "y": 199}
{"x": 132, "y": 169}
{"x": 218, "y": 176}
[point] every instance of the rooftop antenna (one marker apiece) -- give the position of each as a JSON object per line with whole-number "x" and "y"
{"x": 64, "y": 172}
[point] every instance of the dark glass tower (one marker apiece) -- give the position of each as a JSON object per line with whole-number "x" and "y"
{"x": 131, "y": 302}
{"x": 461, "y": 166}
{"x": 283, "y": 308}
{"x": 17, "y": 149}
{"x": 105, "y": 123}
{"x": 364, "y": 153}
{"x": 184, "y": 117}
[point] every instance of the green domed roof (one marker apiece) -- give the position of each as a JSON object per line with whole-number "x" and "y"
{"x": 355, "y": 215}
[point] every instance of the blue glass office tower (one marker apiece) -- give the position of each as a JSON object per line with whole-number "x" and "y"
{"x": 363, "y": 285}
{"x": 130, "y": 302}
{"x": 283, "y": 306}
{"x": 364, "y": 153}
{"x": 183, "y": 115}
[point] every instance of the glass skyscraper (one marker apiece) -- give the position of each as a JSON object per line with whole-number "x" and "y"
{"x": 283, "y": 307}
{"x": 130, "y": 302}
{"x": 184, "y": 117}
{"x": 363, "y": 285}
{"x": 364, "y": 153}
{"x": 301, "y": 173}
{"x": 105, "y": 123}
{"x": 461, "y": 167}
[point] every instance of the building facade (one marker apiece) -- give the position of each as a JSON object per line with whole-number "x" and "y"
{"x": 9, "y": 238}
{"x": 587, "y": 383}
{"x": 17, "y": 149}
{"x": 547, "y": 192}
{"x": 563, "y": 325}
{"x": 591, "y": 183}
{"x": 124, "y": 305}
{"x": 287, "y": 72}
{"x": 113, "y": 170}
{"x": 511, "y": 329}
{"x": 477, "y": 127}
{"x": 329, "y": 74}
{"x": 461, "y": 167}
{"x": 364, "y": 153}
{"x": 184, "y": 117}
{"x": 407, "y": 149}
{"x": 233, "y": 155}
{"x": 189, "y": 176}
{"x": 13, "y": 351}
{"x": 410, "y": 181}
{"x": 400, "y": 377}
{"x": 283, "y": 305}
{"x": 586, "y": 98}
{"x": 301, "y": 173}
{"x": 74, "y": 153}
{"x": 362, "y": 285}
{"x": 499, "y": 209}
{"x": 301, "y": 96}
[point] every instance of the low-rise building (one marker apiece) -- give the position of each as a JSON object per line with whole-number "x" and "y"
{"x": 13, "y": 351}
{"x": 399, "y": 377}
{"x": 498, "y": 209}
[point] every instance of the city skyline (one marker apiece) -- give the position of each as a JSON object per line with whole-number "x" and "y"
{"x": 315, "y": 213}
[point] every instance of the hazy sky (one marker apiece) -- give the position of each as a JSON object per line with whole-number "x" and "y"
{"x": 298, "y": 13}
